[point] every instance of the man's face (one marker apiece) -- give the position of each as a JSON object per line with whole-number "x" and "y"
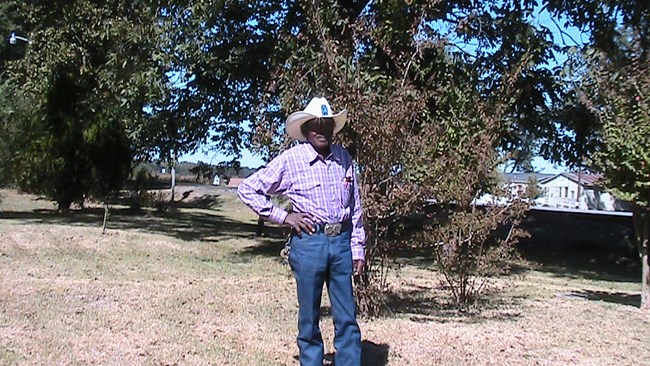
{"x": 319, "y": 131}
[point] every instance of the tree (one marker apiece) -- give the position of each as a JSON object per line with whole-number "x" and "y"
{"x": 618, "y": 96}
{"x": 604, "y": 114}
{"x": 602, "y": 19}
{"x": 89, "y": 74}
{"x": 221, "y": 54}
{"x": 578, "y": 135}
{"x": 454, "y": 162}
{"x": 8, "y": 24}
{"x": 224, "y": 55}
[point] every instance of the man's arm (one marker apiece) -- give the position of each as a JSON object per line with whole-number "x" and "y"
{"x": 253, "y": 190}
{"x": 358, "y": 239}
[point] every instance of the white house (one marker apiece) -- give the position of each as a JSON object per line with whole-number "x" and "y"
{"x": 583, "y": 191}
{"x": 575, "y": 190}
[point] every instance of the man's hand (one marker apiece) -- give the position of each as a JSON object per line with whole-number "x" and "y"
{"x": 300, "y": 222}
{"x": 357, "y": 267}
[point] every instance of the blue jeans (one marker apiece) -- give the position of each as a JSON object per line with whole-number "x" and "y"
{"x": 316, "y": 260}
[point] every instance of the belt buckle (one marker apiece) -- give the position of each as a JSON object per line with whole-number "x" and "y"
{"x": 332, "y": 229}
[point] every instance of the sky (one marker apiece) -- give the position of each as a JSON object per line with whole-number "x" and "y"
{"x": 562, "y": 35}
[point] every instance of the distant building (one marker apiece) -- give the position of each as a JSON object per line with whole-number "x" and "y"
{"x": 576, "y": 190}
{"x": 234, "y": 182}
{"x": 583, "y": 191}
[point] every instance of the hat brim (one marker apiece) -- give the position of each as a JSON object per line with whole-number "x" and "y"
{"x": 297, "y": 119}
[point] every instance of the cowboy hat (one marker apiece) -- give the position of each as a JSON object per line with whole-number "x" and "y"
{"x": 317, "y": 107}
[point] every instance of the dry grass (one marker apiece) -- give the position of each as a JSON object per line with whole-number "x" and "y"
{"x": 195, "y": 287}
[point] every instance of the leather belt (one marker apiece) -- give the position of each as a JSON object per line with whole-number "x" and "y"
{"x": 333, "y": 229}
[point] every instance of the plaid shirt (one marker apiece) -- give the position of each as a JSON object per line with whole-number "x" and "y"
{"x": 326, "y": 188}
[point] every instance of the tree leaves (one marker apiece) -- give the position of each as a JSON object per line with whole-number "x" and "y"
{"x": 88, "y": 74}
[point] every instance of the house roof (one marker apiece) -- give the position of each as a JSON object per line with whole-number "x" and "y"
{"x": 585, "y": 179}
{"x": 234, "y": 182}
{"x": 525, "y": 177}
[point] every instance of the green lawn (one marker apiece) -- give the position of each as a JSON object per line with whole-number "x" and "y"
{"x": 196, "y": 287}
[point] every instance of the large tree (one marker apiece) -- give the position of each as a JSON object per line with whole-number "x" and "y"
{"x": 600, "y": 23}
{"x": 221, "y": 54}
{"x": 226, "y": 55}
{"x": 91, "y": 74}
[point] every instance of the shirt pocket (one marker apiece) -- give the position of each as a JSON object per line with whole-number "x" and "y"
{"x": 306, "y": 189}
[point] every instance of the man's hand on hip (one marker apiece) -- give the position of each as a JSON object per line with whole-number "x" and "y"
{"x": 300, "y": 222}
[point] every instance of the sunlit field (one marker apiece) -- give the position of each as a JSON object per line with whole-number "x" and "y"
{"x": 195, "y": 286}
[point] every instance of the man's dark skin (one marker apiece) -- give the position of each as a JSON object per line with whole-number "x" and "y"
{"x": 319, "y": 132}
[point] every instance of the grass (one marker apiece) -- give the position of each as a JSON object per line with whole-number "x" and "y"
{"x": 196, "y": 287}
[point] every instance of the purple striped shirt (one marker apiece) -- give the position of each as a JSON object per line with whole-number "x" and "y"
{"x": 326, "y": 188}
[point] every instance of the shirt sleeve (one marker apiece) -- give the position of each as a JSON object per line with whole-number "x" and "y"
{"x": 254, "y": 190}
{"x": 358, "y": 238}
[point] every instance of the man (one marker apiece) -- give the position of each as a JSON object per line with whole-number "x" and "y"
{"x": 327, "y": 243}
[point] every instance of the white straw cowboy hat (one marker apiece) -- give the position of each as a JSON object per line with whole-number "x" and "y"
{"x": 317, "y": 107}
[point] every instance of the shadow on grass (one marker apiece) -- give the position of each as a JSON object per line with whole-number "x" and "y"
{"x": 586, "y": 260}
{"x": 193, "y": 220}
{"x": 269, "y": 244}
{"x": 186, "y": 224}
{"x": 205, "y": 201}
{"x": 423, "y": 258}
{"x": 583, "y": 262}
{"x": 372, "y": 354}
{"x": 423, "y": 304}
{"x": 577, "y": 245}
{"x": 621, "y": 298}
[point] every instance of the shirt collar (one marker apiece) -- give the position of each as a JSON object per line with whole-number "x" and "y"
{"x": 312, "y": 155}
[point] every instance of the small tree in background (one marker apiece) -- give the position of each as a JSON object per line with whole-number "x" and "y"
{"x": 454, "y": 161}
{"x": 618, "y": 93}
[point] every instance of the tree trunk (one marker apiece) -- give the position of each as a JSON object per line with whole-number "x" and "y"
{"x": 105, "y": 219}
{"x": 642, "y": 228}
{"x": 173, "y": 187}
{"x": 173, "y": 172}
{"x": 64, "y": 201}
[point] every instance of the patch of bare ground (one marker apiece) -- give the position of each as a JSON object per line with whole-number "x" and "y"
{"x": 194, "y": 286}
